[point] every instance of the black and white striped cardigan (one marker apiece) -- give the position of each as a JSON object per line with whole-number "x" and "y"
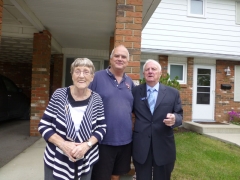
{"x": 57, "y": 119}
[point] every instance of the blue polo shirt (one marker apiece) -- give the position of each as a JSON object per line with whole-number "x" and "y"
{"x": 118, "y": 102}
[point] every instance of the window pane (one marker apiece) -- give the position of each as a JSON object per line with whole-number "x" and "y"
{"x": 197, "y": 7}
{"x": 204, "y": 71}
{"x": 9, "y": 85}
{"x": 203, "y": 89}
{"x": 238, "y": 12}
{"x": 176, "y": 70}
{"x": 203, "y": 98}
{"x": 203, "y": 80}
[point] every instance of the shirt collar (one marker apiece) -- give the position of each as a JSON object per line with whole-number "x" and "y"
{"x": 111, "y": 74}
{"x": 156, "y": 87}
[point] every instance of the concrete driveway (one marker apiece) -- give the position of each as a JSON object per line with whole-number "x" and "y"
{"x": 14, "y": 138}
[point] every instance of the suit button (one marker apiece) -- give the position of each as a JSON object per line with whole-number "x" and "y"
{"x": 149, "y": 136}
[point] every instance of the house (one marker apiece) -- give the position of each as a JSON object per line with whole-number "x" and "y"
{"x": 40, "y": 39}
{"x": 198, "y": 41}
{"x": 193, "y": 39}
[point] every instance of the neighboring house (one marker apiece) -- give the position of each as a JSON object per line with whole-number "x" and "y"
{"x": 198, "y": 41}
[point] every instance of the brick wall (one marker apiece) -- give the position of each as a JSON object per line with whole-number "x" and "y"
{"x": 19, "y": 73}
{"x": 1, "y": 15}
{"x": 186, "y": 92}
{"x": 224, "y": 101}
{"x": 186, "y": 89}
{"x": 57, "y": 72}
{"x": 128, "y": 30}
{"x": 40, "y": 78}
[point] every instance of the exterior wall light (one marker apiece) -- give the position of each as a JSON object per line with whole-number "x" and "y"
{"x": 228, "y": 71}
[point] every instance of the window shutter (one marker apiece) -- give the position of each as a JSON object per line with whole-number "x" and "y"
{"x": 237, "y": 84}
{"x": 238, "y": 12}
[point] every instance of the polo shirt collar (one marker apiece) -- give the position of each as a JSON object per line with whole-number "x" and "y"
{"x": 111, "y": 74}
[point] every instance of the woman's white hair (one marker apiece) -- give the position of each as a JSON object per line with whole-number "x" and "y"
{"x": 82, "y": 62}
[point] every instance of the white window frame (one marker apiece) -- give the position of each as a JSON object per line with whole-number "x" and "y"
{"x": 184, "y": 65}
{"x": 196, "y": 15}
{"x": 237, "y": 12}
{"x": 237, "y": 83}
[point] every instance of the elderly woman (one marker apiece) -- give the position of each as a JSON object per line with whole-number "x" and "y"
{"x": 72, "y": 124}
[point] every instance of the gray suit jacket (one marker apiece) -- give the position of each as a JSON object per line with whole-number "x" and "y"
{"x": 150, "y": 127}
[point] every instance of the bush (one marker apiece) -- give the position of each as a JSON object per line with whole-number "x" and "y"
{"x": 234, "y": 117}
{"x": 166, "y": 81}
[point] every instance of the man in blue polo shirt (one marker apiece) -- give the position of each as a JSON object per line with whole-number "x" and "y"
{"x": 114, "y": 86}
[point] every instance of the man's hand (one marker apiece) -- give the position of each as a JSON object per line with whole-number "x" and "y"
{"x": 170, "y": 119}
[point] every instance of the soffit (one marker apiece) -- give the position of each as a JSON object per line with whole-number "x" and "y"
{"x": 85, "y": 24}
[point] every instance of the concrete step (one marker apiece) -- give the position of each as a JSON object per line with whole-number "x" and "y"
{"x": 212, "y": 128}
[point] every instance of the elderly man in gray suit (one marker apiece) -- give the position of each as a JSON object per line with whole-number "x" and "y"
{"x": 157, "y": 110}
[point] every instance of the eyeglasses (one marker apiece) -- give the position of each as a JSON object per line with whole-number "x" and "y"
{"x": 85, "y": 73}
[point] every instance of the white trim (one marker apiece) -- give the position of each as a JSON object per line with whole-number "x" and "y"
{"x": 203, "y": 112}
{"x": 196, "y": 15}
{"x": 191, "y": 54}
{"x": 237, "y": 83}
{"x": 184, "y": 75}
{"x": 237, "y": 12}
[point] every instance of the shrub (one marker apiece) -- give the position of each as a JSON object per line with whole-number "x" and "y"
{"x": 166, "y": 81}
{"x": 234, "y": 117}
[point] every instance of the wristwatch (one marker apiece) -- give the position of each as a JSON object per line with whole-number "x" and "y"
{"x": 89, "y": 144}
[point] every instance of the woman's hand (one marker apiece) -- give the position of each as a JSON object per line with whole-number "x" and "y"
{"x": 67, "y": 147}
{"x": 80, "y": 150}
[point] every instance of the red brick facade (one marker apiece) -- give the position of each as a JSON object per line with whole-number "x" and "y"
{"x": 1, "y": 15}
{"x": 19, "y": 73}
{"x": 128, "y": 30}
{"x": 224, "y": 101}
{"x": 57, "y": 72}
{"x": 40, "y": 78}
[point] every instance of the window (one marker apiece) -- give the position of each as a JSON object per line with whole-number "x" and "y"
{"x": 11, "y": 87}
{"x": 196, "y": 8}
{"x": 178, "y": 70}
{"x": 237, "y": 84}
{"x": 237, "y": 12}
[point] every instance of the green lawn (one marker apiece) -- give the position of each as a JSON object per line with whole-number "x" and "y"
{"x": 203, "y": 158}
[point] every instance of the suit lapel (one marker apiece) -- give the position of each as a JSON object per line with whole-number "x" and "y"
{"x": 161, "y": 94}
{"x": 143, "y": 94}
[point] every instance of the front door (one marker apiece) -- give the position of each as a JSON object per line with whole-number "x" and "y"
{"x": 203, "y": 93}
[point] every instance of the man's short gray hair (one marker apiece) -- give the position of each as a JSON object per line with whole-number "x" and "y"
{"x": 155, "y": 62}
{"x": 82, "y": 62}
{"x": 111, "y": 55}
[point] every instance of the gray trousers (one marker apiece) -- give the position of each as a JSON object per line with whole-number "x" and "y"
{"x": 48, "y": 174}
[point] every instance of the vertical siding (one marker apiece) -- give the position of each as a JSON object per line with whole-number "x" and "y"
{"x": 171, "y": 29}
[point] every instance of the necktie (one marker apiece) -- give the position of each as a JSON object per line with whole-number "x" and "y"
{"x": 151, "y": 100}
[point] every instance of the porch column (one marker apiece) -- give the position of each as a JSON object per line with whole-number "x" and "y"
{"x": 57, "y": 72}
{"x": 186, "y": 92}
{"x": 40, "y": 78}
{"x": 1, "y": 16}
{"x": 128, "y": 31}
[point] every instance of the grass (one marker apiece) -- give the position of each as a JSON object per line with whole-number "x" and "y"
{"x": 203, "y": 158}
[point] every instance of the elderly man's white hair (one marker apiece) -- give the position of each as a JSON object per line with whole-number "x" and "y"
{"x": 155, "y": 62}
